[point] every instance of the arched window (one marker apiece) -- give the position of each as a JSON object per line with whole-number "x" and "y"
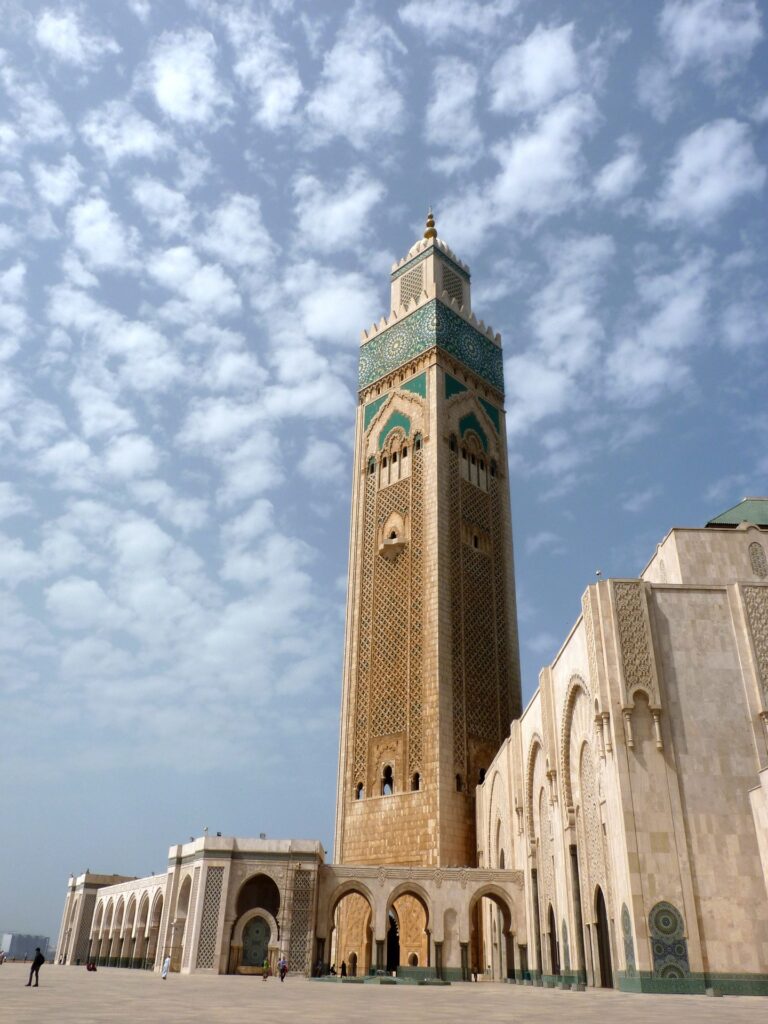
{"x": 459, "y": 784}
{"x": 413, "y": 960}
{"x": 493, "y": 468}
{"x": 387, "y": 782}
{"x": 404, "y": 453}
{"x": 394, "y": 457}
{"x": 417, "y": 443}
{"x": 359, "y": 791}
{"x": 384, "y": 462}
{"x": 475, "y": 542}
{"x": 416, "y": 782}
{"x": 371, "y": 466}
{"x": 452, "y": 442}
{"x": 481, "y": 776}
{"x": 501, "y": 859}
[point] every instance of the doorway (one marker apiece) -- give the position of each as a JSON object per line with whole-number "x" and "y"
{"x": 603, "y": 941}
{"x": 393, "y": 942}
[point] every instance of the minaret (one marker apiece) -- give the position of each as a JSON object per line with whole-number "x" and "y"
{"x": 431, "y": 664}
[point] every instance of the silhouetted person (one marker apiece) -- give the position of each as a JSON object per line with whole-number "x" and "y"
{"x": 37, "y": 963}
{"x": 343, "y": 968}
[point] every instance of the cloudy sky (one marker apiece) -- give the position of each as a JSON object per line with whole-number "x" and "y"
{"x": 201, "y": 201}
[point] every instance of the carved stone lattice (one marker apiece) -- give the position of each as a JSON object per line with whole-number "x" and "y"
{"x": 364, "y": 644}
{"x": 546, "y": 868}
{"x": 589, "y": 626}
{"x": 191, "y": 917}
{"x": 634, "y": 640}
{"x": 758, "y": 560}
{"x": 480, "y": 652}
{"x": 301, "y": 921}
{"x": 756, "y": 604}
{"x": 411, "y": 284}
{"x": 592, "y": 833}
{"x": 415, "y": 693}
{"x": 206, "y": 947}
{"x": 498, "y": 534}
{"x": 388, "y": 692}
{"x": 454, "y": 507}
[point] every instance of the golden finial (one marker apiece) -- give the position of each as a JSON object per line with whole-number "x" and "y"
{"x": 431, "y": 231}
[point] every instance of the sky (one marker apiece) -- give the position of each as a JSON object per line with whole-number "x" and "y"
{"x": 200, "y": 205}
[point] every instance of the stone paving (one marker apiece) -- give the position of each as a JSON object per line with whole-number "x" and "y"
{"x": 70, "y": 995}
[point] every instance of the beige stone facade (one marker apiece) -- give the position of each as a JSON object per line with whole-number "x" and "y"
{"x": 631, "y": 791}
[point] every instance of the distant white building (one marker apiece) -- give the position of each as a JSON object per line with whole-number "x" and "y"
{"x": 17, "y": 947}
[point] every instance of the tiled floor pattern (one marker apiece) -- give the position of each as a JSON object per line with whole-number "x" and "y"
{"x": 70, "y": 995}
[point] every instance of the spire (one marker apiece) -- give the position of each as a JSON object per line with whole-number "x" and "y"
{"x": 431, "y": 231}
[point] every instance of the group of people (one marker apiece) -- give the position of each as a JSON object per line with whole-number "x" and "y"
{"x": 282, "y": 968}
{"x": 342, "y": 972}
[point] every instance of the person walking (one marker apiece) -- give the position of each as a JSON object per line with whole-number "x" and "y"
{"x": 166, "y": 968}
{"x": 265, "y": 969}
{"x": 282, "y": 966}
{"x": 343, "y": 968}
{"x": 37, "y": 963}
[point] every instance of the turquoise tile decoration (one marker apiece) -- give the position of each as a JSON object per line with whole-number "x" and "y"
{"x": 453, "y": 386}
{"x": 471, "y": 422}
{"x": 493, "y": 414}
{"x": 397, "y": 419}
{"x": 433, "y": 324}
{"x": 371, "y": 409}
{"x": 418, "y": 385}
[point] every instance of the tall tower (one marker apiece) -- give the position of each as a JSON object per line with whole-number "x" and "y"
{"x": 431, "y": 663}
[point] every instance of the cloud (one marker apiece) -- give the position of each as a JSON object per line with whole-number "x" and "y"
{"x": 331, "y": 221}
{"x": 120, "y": 132}
{"x": 77, "y": 603}
{"x": 62, "y": 34}
{"x": 204, "y": 287}
{"x": 182, "y": 77}
{"x": 716, "y": 35}
{"x": 11, "y": 502}
{"x": 132, "y": 455}
{"x": 336, "y": 306}
{"x": 98, "y": 408}
{"x": 712, "y": 168}
{"x": 532, "y": 74}
{"x": 57, "y": 183}
{"x": 135, "y": 350}
{"x": 656, "y": 89}
{"x": 451, "y": 121}
{"x": 553, "y": 542}
{"x": 168, "y": 210}
{"x": 650, "y": 357}
{"x": 100, "y": 236}
{"x": 540, "y": 172}
{"x": 568, "y": 334}
{"x": 265, "y": 67}
{"x": 637, "y": 501}
{"x": 618, "y": 177}
{"x": 357, "y": 97}
{"x": 324, "y": 463}
{"x": 454, "y": 19}
{"x": 39, "y": 119}
{"x": 236, "y": 233}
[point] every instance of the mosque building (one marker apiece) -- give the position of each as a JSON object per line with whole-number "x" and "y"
{"x": 613, "y": 833}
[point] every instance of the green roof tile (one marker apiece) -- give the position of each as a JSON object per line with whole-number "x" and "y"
{"x": 748, "y": 510}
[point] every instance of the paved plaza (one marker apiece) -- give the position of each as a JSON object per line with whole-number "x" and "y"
{"x": 68, "y": 995}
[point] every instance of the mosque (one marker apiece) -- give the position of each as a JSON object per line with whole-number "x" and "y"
{"x": 615, "y": 834}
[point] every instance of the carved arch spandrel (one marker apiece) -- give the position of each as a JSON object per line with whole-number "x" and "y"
{"x": 576, "y": 687}
{"x": 458, "y": 406}
{"x": 411, "y": 405}
{"x": 535, "y": 747}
